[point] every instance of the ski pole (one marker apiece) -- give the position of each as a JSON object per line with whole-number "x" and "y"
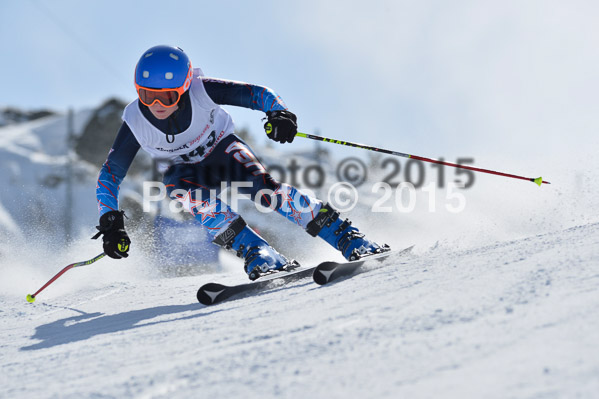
{"x": 538, "y": 180}
{"x": 31, "y": 298}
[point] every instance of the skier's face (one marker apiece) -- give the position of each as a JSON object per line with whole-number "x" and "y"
{"x": 161, "y": 112}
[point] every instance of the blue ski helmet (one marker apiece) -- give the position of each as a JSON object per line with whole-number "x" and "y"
{"x": 163, "y": 67}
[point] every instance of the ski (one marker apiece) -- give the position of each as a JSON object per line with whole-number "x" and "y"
{"x": 331, "y": 271}
{"x": 212, "y": 293}
{"x": 325, "y": 272}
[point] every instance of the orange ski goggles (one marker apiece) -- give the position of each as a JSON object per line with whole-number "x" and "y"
{"x": 166, "y": 97}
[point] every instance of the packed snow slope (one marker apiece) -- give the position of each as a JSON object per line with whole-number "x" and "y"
{"x": 514, "y": 319}
{"x": 498, "y": 300}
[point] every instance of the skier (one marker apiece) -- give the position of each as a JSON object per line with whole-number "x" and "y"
{"x": 177, "y": 117}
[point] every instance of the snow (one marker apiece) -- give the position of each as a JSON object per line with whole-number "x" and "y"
{"x": 33, "y": 158}
{"x": 498, "y": 301}
{"x": 514, "y": 319}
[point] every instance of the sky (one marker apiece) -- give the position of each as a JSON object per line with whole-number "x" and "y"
{"x": 507, "y": 80}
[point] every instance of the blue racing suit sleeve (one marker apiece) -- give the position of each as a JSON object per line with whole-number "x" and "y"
{"x": 115, "y": 168}
{"x": 229, "y": 92}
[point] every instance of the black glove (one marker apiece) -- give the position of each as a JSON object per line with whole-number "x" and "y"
{"x": 281, "y": 126}
{"x": 116, "y": 240}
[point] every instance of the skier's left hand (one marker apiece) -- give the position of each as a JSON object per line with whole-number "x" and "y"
{"x": 281, "y": 126}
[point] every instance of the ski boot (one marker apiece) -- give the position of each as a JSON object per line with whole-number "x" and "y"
{"x": 259, "y": 257}
{"x": 342, "y": 235}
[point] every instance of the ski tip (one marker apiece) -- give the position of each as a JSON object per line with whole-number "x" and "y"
{"x": 319, "y": 277}
{"x": 209, "y": 294}
{"x": 30, "y": 298}
{"x": 322, "y": 273}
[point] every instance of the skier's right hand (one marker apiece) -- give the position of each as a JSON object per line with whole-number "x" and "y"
{"x": 115, "y": 238}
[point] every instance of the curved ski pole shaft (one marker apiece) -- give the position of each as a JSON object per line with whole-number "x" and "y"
{"x": 31, "y": 297}
{"x": 537, "y": 180}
